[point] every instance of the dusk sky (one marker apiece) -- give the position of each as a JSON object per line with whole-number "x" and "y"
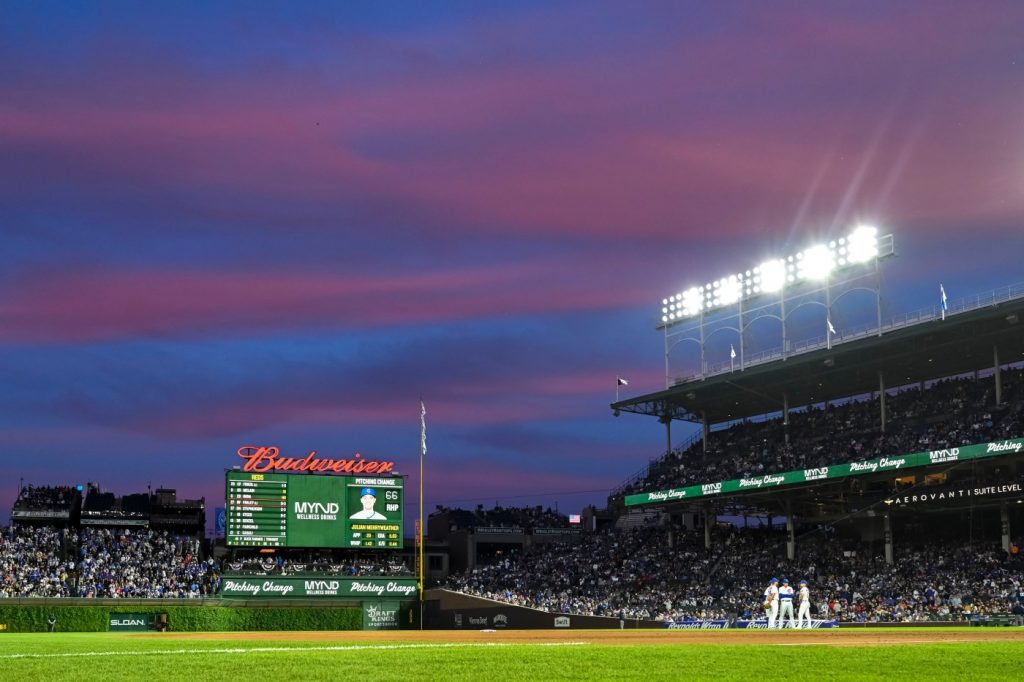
{"x": 282, "y": 224}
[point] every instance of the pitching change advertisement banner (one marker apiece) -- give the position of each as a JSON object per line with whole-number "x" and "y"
{"x": 871, "y": 466}
{"x": 350, "y": 588}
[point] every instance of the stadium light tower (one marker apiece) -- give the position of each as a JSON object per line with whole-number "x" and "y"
{"x": 773, "y": 283}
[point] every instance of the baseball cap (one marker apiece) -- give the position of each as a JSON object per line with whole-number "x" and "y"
{"x": 785, "y": 581}
{"x": 803, "y": 582}
{"x": 774, "y": 580}
{"x": 367, "y": 491}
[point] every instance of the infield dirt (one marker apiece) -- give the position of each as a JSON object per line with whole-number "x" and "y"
{"x": 836, "y": 637}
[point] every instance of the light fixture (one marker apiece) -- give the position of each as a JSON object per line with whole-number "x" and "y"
{"x": 816, "y": 263}
{"x": 813, "y": 264}
{"x": 731, "y": 290}
{"x": 773, "y": 275}
{"x": 862, "y": 244}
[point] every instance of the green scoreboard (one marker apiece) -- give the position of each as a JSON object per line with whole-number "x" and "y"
{"x": 295, "y": 510}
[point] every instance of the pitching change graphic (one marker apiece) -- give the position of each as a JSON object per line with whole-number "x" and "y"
{"x": 285, "y": 510}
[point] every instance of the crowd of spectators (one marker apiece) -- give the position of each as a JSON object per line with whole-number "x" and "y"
{"x": 367, "y": 565}
{"x": 636, "y": 574}
{"x": 949, "y": 413}
{"x": 44, "y": 561}
{"x": 33, "y": 563}
{"x": 115, "y": 562}
{"x": 46, "y": 498}
{"x": 143, "y": 563}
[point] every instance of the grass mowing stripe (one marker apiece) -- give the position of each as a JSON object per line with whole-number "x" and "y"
{"x": 276, "y": 649}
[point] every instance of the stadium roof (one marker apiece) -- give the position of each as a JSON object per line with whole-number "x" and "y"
{"x": 913, "y": 353}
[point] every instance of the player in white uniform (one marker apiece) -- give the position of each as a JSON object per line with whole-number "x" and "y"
{"x": 804, "y": 609}
{"x": 786, "y": 604}
{"x": 771, "y": 600}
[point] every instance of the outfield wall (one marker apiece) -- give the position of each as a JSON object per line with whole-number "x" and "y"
{"x": 201, "y": 615}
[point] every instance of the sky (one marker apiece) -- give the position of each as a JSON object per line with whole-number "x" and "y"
{"x": 231, "y": 224}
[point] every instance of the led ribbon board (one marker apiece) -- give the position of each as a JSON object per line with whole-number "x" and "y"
{"x": 892, "y": 463}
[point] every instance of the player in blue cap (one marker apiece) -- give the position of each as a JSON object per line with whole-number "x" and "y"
{"x": 771, "y": 601}
{"x": 368, "y": 498}
{"x": 805, "y": 606}
{"x": 786, "y": 601}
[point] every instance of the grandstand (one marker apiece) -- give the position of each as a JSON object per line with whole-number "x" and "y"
{"x": 886, "y": 468}
{"x": 78, "y": 541}
{"x": 933, "y": 387}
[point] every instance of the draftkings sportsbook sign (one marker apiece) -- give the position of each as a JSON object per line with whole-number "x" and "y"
{"x": 893, "y": 463}
{"x": 348, "y": 588}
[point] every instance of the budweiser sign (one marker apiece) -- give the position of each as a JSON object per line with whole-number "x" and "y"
{"x": 268, "y": 459}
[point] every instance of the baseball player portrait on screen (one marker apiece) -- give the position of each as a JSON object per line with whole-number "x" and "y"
{"x": 771, "y": 601}
{"x": 786, "y": 604}
{"x": 368, "y": 498}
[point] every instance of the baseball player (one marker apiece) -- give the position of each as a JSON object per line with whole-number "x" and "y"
{"x": 771, "y": 602}
{"x": 804, "y": 609}
{"x": 786, "y": 599}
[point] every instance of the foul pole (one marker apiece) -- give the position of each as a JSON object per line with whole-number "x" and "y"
{"x": 423, "y": 452}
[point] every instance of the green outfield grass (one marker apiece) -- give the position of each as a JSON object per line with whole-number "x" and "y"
{"x": 101, "y": 656}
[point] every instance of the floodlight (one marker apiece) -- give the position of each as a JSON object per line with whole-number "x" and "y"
{"x": 816, "y": 262}
{"x": 773, "y": 275}
{"x": 731, "y": 290}
{"x": 863, "y": 244}
{"x": 813, "y": 264}
{"x": 692, "y": 301}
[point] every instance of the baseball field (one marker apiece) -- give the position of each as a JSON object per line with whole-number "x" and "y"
{"x": 846, "y": 654}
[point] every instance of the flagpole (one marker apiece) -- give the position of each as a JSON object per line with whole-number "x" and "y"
{"x": 423, "y": 443}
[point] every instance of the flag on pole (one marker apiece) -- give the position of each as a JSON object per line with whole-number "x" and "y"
{"x": 732, "y": 352}
{"x": 831, "y": 329}
{"x": 621, "y": 382}
{"x": 945, "y": 304}
{"x": 423, "y": 429}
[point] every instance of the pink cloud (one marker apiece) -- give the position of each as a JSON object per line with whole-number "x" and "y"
{"x": 90, "y": 305}
{"x": 248, "y": 413}
{"x": 624, "y": 167}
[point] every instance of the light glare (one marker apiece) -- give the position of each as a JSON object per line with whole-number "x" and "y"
{"x": 731, "y": 290}
{"x": 816, "y": 263}
{"x": 773, "y": 275}
{"x": 863, "y": 244}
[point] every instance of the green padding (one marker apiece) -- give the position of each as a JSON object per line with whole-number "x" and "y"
{"x": 184, "y": 618}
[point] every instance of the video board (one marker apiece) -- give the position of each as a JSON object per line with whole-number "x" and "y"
{"x": 294, "y": 510}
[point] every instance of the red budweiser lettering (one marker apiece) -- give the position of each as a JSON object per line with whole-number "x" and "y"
{"x": 263, "y": 459}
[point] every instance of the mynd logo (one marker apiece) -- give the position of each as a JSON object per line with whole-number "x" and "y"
{"x": 947, "y": 455}
{"x": 815, "y": 474}
{"x": 316, "y": 508}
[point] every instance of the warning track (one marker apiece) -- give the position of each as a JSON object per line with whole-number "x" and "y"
{"x": 837, "y": 637}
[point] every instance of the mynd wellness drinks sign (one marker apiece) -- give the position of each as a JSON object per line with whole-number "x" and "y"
{"x": 872, "y": 466}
